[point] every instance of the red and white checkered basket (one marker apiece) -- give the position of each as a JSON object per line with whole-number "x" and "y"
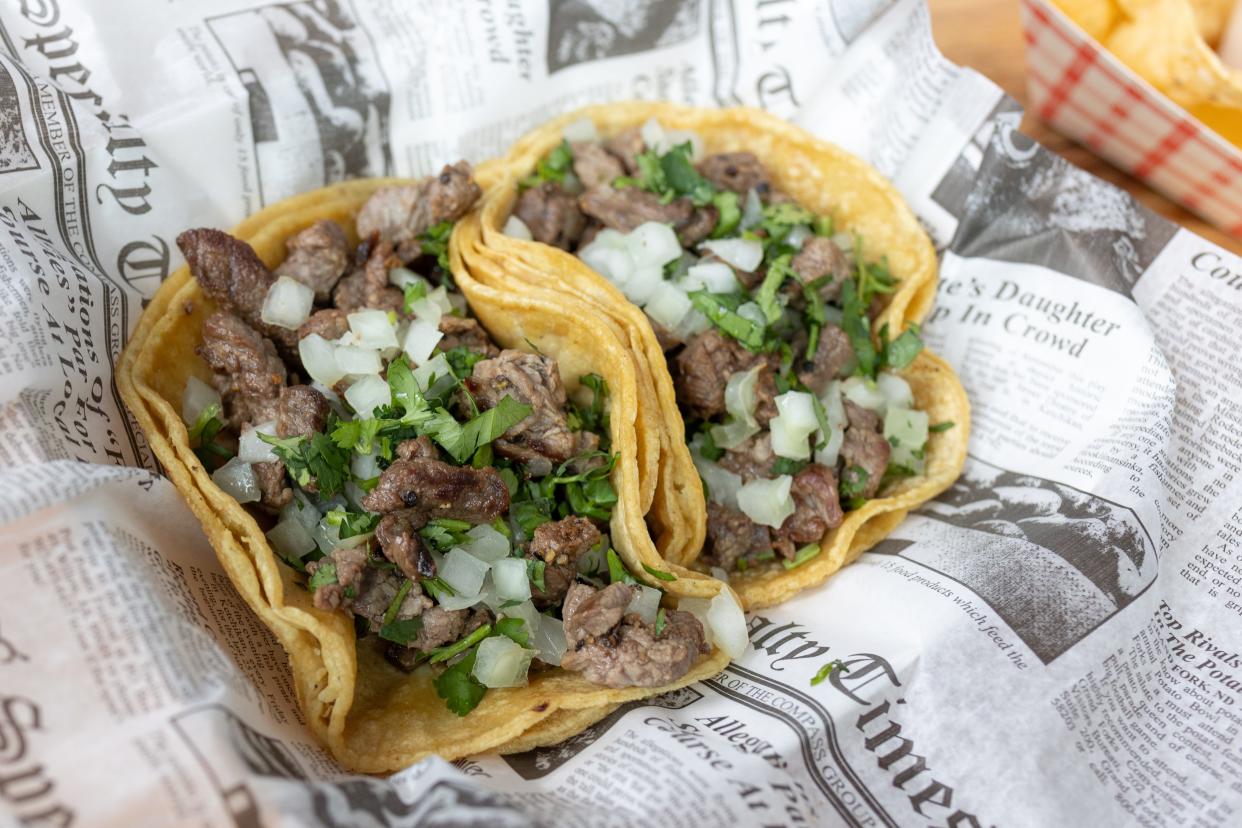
{"x": 1085, "y": 93}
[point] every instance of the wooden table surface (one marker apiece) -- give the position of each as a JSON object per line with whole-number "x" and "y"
{"x": 986, "y": 35}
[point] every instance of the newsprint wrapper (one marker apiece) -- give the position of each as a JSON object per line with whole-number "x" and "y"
{"x": 1055, "y": 641}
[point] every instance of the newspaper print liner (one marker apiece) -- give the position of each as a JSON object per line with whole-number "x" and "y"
{"x": 370, "y": 716}
{"x": 820, "y": 176}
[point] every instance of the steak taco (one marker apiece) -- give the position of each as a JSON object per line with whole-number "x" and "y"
{"x": 781, "y": 281}
{"x": 426, "y": 487}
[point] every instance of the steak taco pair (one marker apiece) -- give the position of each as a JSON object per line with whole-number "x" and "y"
{"x": 773, "y": 285}
{"x": 432, "y": 490}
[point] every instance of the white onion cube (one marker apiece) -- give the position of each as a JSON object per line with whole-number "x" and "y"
{"x": 486, "y": 543}
{"x": 196, "y": 399}
{"x": 373, "y": 329}
{"x": 798, "y": 408}
{"x": 251, "y": 449}
{"x": 727, "y": 624}
{"x": 714, "y": 277}
{"x": 509, "y": 575}
{"x": 464, "y": 572}
{"x": 237, "y": 480}
{"x": 501, "y": 662}
{"x": 788, "y": 441}
{"x": 653, "y": 243}
{"x": 291, "y": 539}
{"x": 288, "y": 303}
{"x": 767, "y": 502}
{"x": 421, "y": 338}
{"x": 744, "y": 254}
{"x": 864, "y": 393}
{"x": 668, "y": 305}
{"x": 646, "y": 603}
{"x": 319, "y": 359}
{"x": 356, "y": 361}
{"x": 643, "y": 283}
{"x": 582, "y": 129}
{"x": 515, "y": 228}
{"x": 906, "y": 431}
{"x": 368, "y": 394}
{"x": 549, "y": 640}
{"x": 895, "y": 390}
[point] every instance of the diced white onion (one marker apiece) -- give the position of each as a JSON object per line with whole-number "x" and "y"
{"x": 368, "y": 394}
{"x": 509, "y": 575}
{"x": 752, "y": 210}
{"x": 302, "y": 510}
{"x": 895, "y": 390}
{"x": 501, "y": 662}
{"x": 797, "y": 236}
{"x": 356, "y": 361}
{"x": 319, "y": 359}
{"x": 714, "y": 277}
{"x": 652, "y": 243}
{"x": 611, "y": 262}
{"x": 288, "y": 303}
{"x": 364, "y": 466}
{"x": 722, "y": 484}
{"x": 646, "y": 603}
{"x": 426, "y": 310}
{"x": 834, "y": 408}
{"x": 789, "y": 440}
{"x": 754, "y": 313}
{"x": 733, "y": 433}
{"x": 864, "y": 393}
{"x": 719, "y": 574}
{"x": 697, "y": 607}
{"x": 426, "y": 374}
{"x": 250, "y": 449}
{"x": 668, "y": 305}
{"x": 525, "y": 610}
{"x": 692, "y": 324}
{"x": 798, "y": 409}
{"x": 549, "y": 640}
{"x": 291, "y": 539}
{"x": 652, "y": 134}
{"x": 686, "y": 261}
{"x": 463, "y": 572}
{"x": 515, "y": 228}
{"x": 744, "y": 254}
{"x": 421, "y": 338}
{"x": 373, "y": 329}
{"x": 486, "y": 543}
{"x": 740, "y": 393}
{"x": 643, "y": 283}
{"x": 458, "y": 602}
{"x": 403, "y": 277}
{"x": 582, "y": 129}
{"x": 767, "y": 501}
{"x": 906, "y": 431}
{"x": 827, "y": 455}
{"x": 237, "y": 479}
{"x": 198, "y": 396}
{"x": 844, "y": 240}
{"x": 727, "y": 623}
{"x": 440, "y": 296}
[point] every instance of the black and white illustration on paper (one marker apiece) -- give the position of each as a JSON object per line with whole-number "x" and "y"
{"x": 255, "y": 774}
{"x": 15, "y": 151}
{"x": 580, "y": 31}
{"x": 540, "y": 762}
{"x": 1052, "y": 561}
{"x": 319, "y": 101}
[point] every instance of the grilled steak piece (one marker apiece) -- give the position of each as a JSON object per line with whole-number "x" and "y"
{"x": 627, "y": 208}
{"x": 833, "y": 355}
{"x": 732, "y": 536}
{"x": 552, "y": 215}
{"x": 704, "y": 367}
{"x": 817, "y": 507}
{"x": 246, "y": 369}
{"x": 301, "y": 410}
{"x": 316, "y": 257}
{"x": 593, "y": 164}
{"x": 402, "y": 213}
{"x": 466, "y": 332}
{"x": 822, "y": 257}
{"x": 864, "y": 448}
{"x": 435, "y": 489}
{"x": 736, "y": 171}
{"x": 617, "y": 650}
{"x": 559, "y": 544}
{"x": 332, "y": 323}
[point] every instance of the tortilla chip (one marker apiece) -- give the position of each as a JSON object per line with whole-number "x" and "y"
{"x": 823, "y": 178}
{"x": 371, "y": 716}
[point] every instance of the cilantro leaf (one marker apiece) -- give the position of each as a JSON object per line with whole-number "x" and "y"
{"x": 394, "y": 605}
{"x": 766, "y": 297}
{"x": 857, "y": 327}
{"x": 659, "y": 574}
{"x": 461, "y": 442}
{"x": 827, "y": 669}
{"x": 726, "y": 203}
{"x": 936, "y": 428}
{"x": 784, "y": 465}
{"x": 351, "y": 524}
{"x": 413, "y": 292}
{"x": 513, "y": 629}
{"x": 435, "y": 241}
{"x": 660, "y": 621}
{"x": 462, "y": 360}
{"x": 552, "y": 167}
{"x": 592, "y": 417}
{"x": 438, "y": 654}
{"x": 324, "y": 576}
{"x": 401, "y": 632}
{"x": 203, "y": 434}
{"x": 617, "y": 571}
{"x": 802, "y": 556}
{"x": 683, "y": 178}
{"x": 318, "y": 460}
{"x": 460, "y": 690}
{"x": 901, "y": 351}
{"x": 727, "y": 319}
{"x": 534, "y": 573}
{"x": 435, "y": 587}
{"x": 852, "y": 485}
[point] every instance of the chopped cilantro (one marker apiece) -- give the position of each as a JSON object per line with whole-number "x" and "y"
{"x": 462, "y": 360}
{"x": 462, "y": 441}
{"x": 822, "y": 226}
{"x": 460, "y": 690}
{"x": 357, "y": 435}
{"x": 767, "y": 296}
{"x": 901, "y": 351}
{"x": 435, "y": 241}
{"x": 394, "y": 605}
{"x": 659, "y": 574}
{"x": 401, "y": 632}
{"x": 553, "y": 167}
{"x": 413, "y": 292}
{"x": 937, "y": 428}
{"x": 592, "y": 418}
{"x": 513, "y": 629}
{"x": 827, "y": 669}
{"x": 324, "y": 575}
{"x": 727, "y": 319}
{"x": 707, "y": 445}
{"x": 660, "y": 621}
{"x": 857, "y": 327}
{"x": 530, "y": 515}
{"x": 318, "y": 460}
{"x": 785, "y": 465}
{"x": 435, "y": 587}
{"x": 683, "y": 178}
{"x": 852, "y": 485}
{"x": 802, "y": 556}
{"x": 726, "y": 205}
{"x": 534, "y": 573}
{"x": 438, "y": 654}
{"x": 351, "y": 524}
{"x": 617, "y": 571}
{"x": 203, "y": 434}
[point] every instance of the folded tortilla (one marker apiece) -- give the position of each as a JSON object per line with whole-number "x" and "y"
{"x": 821, "y": 177}
{"x": 371, "y": 716}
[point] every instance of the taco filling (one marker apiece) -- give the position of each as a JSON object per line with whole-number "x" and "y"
{"x": 443, "y": 490}
{"x": 795, "y": 412}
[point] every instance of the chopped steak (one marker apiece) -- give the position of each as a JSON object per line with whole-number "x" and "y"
{"x": 833, "y": 355}
{"x": 736, "y": 171}
{"x": 595, "y": 165}
{"x": 752, "y": 459}
{"x": 626, "y": 145}
{"x": 274, "y": 491}
{"x": 865, "y": 447}
{"x": 418, "y": 447}
{"x": 301, "y": 411}
{"x": 551, "y": 214}
{"x": 317, "y": 257}
{"x": 440, "y": 627}
{"x": 397, "y": 533}
{"x": 701, "y": 224}
{"x": 332, "y": 323}
{"x": 704, "y": 367}
{"x": 436, "y": 489}
{"x": 732, "y": 536}
{"x": 822, "y": 257}
{"x": 617, "y": 650}
{"x": 229, "y": 271}
{"x": 543, "y": 438}
{"x": 466, "y": 332}
{"x": 377, "y": 589}
{"x": 627, "y": 208}
{"x": 369, "y": 287}
{"x": 816, "y": 505}
{"x": 246, "y": 369}
{"x": 351, "y": 566}
{"x": 402, "y": 213}
{"x": 559, "y": 544}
